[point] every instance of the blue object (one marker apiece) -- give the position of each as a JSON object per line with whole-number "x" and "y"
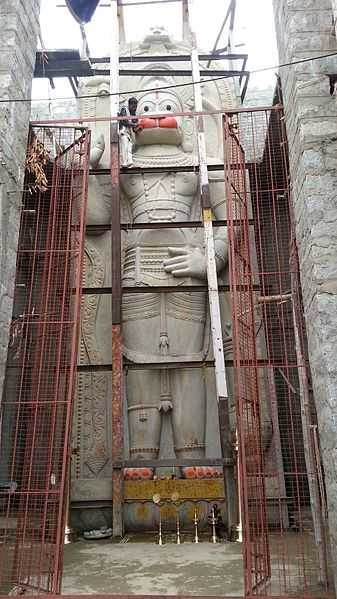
{"x": 82, "y": 10}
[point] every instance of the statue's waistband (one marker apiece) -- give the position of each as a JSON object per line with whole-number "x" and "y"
{"x": 144, "y": 265}
{"x": 145, "y": 259}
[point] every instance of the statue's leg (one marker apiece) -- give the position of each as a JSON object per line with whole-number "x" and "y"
{"x": 143, "y": 389}
{"x": 186, "y": 316}
{"x": 189, "y": 420}
{"x": 141, "y": 323}
{"x": 188, "y": 415}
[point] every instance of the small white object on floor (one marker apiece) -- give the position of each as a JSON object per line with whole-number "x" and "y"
{"x": 98, "y": 533}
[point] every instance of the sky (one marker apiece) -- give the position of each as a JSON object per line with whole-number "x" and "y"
{"x": 254, "y": 29}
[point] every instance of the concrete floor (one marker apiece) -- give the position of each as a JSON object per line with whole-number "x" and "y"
{"x": 93, "y": 567}
{"x": 137, "y": 565}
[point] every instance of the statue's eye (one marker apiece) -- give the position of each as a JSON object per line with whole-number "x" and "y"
{"x": 168, "y": 107}
{"x": 146, "y": 109}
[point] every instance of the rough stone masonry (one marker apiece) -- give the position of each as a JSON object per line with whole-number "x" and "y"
{"x": 18, "y": 37}
{"x": 305, "y": 28}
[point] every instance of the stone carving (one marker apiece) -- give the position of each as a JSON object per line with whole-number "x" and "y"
{"x": 92, "y": 388}
{"x": 172, "y": 411}
{"x": 157, "y": 327}
{"x": 167, "y": 411}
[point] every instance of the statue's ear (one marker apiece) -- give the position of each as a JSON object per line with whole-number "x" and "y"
{"x": 187, "y": 131}
{"x": 187, "y": 146}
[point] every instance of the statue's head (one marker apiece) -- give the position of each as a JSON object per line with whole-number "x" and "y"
{"x": 164, "y": 129}
{"x": 163, "y": 93}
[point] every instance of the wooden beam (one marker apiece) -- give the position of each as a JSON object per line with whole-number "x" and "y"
{"x": 212, "y": 281}
{"x": 167, "y": 463}
{"x": 116, "y": 296}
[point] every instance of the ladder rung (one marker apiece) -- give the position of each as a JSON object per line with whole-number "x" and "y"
{"x": 167, "y": 463}
{"x": 164, "y": 289}
{"x": 177, "y": 365}
{"x": 133, "y": 170}
{"x": 173, "y": 73}
{"x": 152, "y": 289}
{"x": 171, "y": 289}
{"x": 94, "y": 368}
{"x": 165, "y": 225}
{"x": 147, "y": 366}
{"x": 190, "y": 168}
{"x": 181, "y": 224}
{"x": 170, "y": 58}
{"x": 272, "y": 363}
{"x": 197, "y": 224}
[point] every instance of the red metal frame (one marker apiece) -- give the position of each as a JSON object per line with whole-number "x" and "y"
{"x": 284, "y": 543}
{"x": 116, "y": 340}
{"x": 251, "y": 468}
{"x": 166, "y": 597}
{"x": 280, "y": 555}
{"x": 38, "y": 398}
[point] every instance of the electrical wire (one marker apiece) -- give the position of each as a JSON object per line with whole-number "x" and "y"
{"x": 175, "y": 86}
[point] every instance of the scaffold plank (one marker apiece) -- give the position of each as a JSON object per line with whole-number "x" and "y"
{"x": 212, "y": 277}
{"x": 116, "y": 297}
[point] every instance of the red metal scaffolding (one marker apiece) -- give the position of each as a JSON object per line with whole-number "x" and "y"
{"x": 282, "y": 556}
{"x": 36, "y": 408}
{"x": 284, "y": 538}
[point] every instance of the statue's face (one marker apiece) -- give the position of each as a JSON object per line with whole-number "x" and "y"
{"x": 161, "y": 130}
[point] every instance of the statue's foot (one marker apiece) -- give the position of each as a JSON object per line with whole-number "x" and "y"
{"x": 138, "y": 473}
{"x": 202, "y": 472}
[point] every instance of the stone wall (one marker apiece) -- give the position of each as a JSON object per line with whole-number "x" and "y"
{"x": 305, "y": 29}
{"x": 18, "y": 36}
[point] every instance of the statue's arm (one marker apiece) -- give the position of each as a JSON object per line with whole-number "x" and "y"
{"x": 191, "y": 261}
{"x": 219, "y": 208}
{"x": 99, "y": 201}
{"x": 97, "y": 151}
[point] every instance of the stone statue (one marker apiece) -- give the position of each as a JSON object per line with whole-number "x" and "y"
{"x": 160, "y": 327}
{"x": 157, "y": 327}
{"x": 169, "y": 411}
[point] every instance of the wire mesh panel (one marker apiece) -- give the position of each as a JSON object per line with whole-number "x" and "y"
{"x": 36, "y": 407}
{"x": 282, "y": 498}
{"x": 245, "y": 360}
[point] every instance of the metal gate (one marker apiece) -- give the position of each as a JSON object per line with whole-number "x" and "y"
{"x": 283, "y": 539}
{"x": 280, "y": 479}
{"x": 250, "y": 463}
{"x": 36, "y": 408}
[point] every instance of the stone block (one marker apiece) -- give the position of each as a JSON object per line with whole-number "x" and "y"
{"x": 310, "y": 21}
{"x": 305, "y": 28}
{"x": 307, "y": 5}
{"x": 18, "y": 37}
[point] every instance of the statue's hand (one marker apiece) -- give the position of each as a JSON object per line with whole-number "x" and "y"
{"x": 97, "y": 151}
{"x": 186, "y": 262}
{"x": 165, "y": 406}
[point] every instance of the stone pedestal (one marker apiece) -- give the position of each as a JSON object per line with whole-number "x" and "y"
{"x": 142, "y": 514}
